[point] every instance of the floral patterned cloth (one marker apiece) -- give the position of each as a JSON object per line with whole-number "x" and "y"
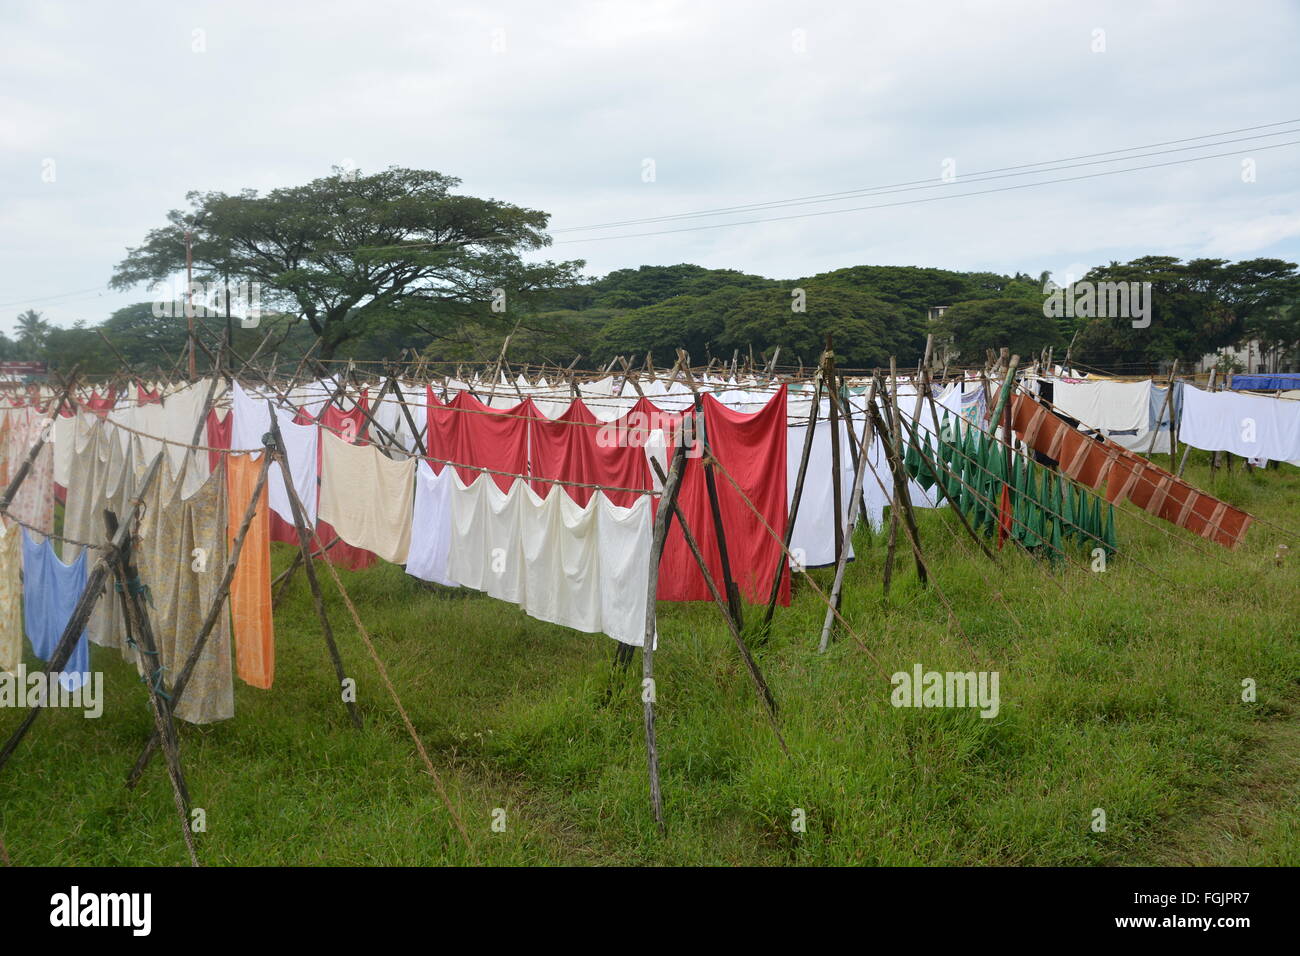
{"x": 34, "y": 502}
{"x": 181, "y": 557}
{"x": 11, "y": 599}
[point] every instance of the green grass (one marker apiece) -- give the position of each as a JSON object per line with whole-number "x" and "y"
{"x": 1119, "y": 691}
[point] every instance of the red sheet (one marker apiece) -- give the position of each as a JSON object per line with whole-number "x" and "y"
{"x": 577, "y": 447}
{"x": 101, "y": 405}
{"x": 219, "y": 432}
{"x": 468, "y": 432}
{"x": 752, "y": 450}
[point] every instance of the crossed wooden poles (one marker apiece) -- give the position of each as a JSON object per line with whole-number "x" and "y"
{"x": 117, "y": 561}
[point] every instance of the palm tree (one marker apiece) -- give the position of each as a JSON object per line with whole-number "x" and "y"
{"x": 32, "y": 332}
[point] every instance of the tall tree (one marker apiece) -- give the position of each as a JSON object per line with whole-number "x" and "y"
{"x": 979, "y": 324}
{"x": 32, "y": 332}
{"x": 347, "y": 248}
{"x": 1197, "y": 307}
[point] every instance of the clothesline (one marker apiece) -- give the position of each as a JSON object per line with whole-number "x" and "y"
{"x": 49, "y": 534}
{"x": 344, "y": 435}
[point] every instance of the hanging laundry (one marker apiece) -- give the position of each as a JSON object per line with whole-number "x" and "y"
{"x": 431, "y": 526}
{"x": 1128, "y": 475}
{"x": 34, "y": 501}
{"x": 219, "y": 434}
{"x": 752, "y": 449}
{"x": 1253, "y": 426}
{"x": 51, "y": 590}
{"x": 252, "y": 421}
{"x": 579, "y": 567}
{"x": 1105, "y": 404}
{"x": 102, "y": 478}
{"x": 623, "y": 537}
{"x": 813, "y": 537}
{"x": 180, "y": 417}
{"x": 578, "y": 447}
{"x": 367, "y": 497}
{"x": 339, "y": 422}
{"x": 11, "y": 598}
{"x": 469, "y": 432}
{"x": 181, "y": 557}
{"x": 487, "y": 537}
{"x": 561, "y": 560}
{"x": 63, "y": 436}
{"x": 250, "y": 589}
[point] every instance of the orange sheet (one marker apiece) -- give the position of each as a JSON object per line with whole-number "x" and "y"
{"x": 250, "y": 590}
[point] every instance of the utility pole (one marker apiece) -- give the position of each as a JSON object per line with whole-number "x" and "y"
{"x": 189, "y": 298}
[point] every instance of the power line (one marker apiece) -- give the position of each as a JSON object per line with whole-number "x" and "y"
{"x": 928, "y": 199}
{"x": 48, "y": 298}
{"x": 930, "y": 183}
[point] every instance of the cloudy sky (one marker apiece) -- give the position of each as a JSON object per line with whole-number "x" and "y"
{"x": 608, "y": 112}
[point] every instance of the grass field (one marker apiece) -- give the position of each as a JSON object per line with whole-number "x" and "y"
{"x": 1119, "y": 690}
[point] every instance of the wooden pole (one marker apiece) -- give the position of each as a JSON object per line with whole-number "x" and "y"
{"x": 1165, "y": 405}
{"x": 794, "y": 504}
{"x": 832, "y": 388}
{"x": 304, "y": 543}
{"x": 715, "y": 508}
{"x": 137, "y": 623}
{"x": 842, "y": 556}
{"x": 900, "y": 478}
{"x": 667, "y": 505}
{"x": 760, "y": 684}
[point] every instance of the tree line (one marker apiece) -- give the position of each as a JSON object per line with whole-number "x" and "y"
{"x": 367, "y": 266}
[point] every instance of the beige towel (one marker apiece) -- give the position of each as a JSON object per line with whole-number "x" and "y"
{"x": 366, "y": 497}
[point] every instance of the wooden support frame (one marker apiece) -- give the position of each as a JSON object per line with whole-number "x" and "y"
{"x": 304, "y": 543}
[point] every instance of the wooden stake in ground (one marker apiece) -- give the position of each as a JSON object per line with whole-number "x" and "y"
{"x": 304, "y": 543}
{"x": 794, "y": 503}
{"x": 1166, "y": 405}
{"x": 760, "y": 684}
{"x": 842, "y": 556}
{"x": 140, "y": 632}
{"x": 833, "y": 389}
{"x": 663, "y": 517}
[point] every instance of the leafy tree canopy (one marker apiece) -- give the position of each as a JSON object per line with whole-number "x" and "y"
{"x": 342, "y": 249}
{"x": 980, "y": 324}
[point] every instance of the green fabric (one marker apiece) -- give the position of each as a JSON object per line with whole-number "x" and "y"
{"x": 997, "y": 468}
{"x": 979, "y": 451}
{"x": 967, "y": 470}
{"x": 911, "y": 457}
{"x": 1094, "y": 523}
{"x": 1033, "y": 513}
{"x": 1057, "y": 551}
{"x": 947, "y": 454}
{"x": 1108, "y": 535}
{"x": 1068, "y": 517}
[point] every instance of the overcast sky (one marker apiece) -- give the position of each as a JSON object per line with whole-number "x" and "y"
{"x": 560, "y": 106}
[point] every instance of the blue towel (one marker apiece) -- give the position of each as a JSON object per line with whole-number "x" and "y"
{"x": 51, "y": 590}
